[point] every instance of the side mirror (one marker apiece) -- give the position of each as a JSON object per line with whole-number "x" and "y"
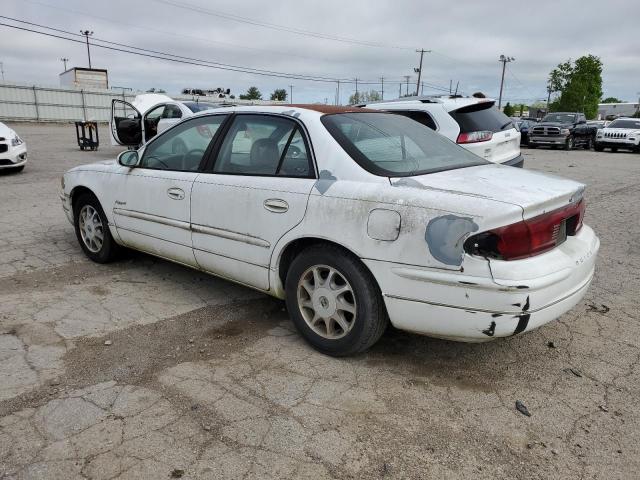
{"x": 128, "y": 158}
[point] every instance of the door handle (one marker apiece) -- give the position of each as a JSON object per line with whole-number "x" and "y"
{"x": 176, "y": 193}
{"x": 276, "y": 205}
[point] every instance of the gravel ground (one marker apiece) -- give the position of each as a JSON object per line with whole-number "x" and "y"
{"x": 146, "y": 369}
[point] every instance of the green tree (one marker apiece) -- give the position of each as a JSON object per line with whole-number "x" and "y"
{"x": 252, "y": 94}
{"x": 508, "y": 110}
{"x": 279, "y": 94}
{"x": 579, "y": 84}
{"x": 611, "y": 100}
{"x": 364, "y": 97}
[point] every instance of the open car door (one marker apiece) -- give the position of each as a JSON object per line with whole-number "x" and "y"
{"x": 126, "y": 124}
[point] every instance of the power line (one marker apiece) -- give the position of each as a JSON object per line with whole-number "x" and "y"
{"x": 115, "y": 46}
{"x": 164, "y": 56}
{"x": 274, "y": 26}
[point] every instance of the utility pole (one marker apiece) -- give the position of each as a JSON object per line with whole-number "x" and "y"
{"x": 422, "y": 89}
{"x": 290, "y": 93}
{"x": 382, "y": 82}
{"x": 407, "y": 77}
{"x": 87, "y": 34}
{"x": 504, "y": 61}
{"x": 2, "y": 70}
{"x": 357, "y": 96}
{"x": 338, "y": 94}
{"x": 64, "y": 60}
{"x": 418, "y": 70}
{"x": 400, "y": 90}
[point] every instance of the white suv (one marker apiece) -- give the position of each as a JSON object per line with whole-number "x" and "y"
{"x": 623, "y": 133}
{"x": 472, "y": 122}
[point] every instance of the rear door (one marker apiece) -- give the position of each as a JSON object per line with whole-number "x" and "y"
{"x": 256, "y": 192}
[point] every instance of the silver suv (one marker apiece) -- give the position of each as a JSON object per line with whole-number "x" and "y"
{"x": 474, "y": 123}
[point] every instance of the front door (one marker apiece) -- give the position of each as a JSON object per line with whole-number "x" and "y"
{"x": 152, "y": 207}
{"x": 126, "y": 124}
{"x": 257, "y": 191}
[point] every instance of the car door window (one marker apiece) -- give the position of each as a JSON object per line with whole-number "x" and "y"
{"x": 182, "y": 147}
{"x": 264, "y": 145}
{"x": 172, "y": 111}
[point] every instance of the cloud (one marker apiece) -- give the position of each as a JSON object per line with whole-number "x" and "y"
{"x": 466, "y": 38}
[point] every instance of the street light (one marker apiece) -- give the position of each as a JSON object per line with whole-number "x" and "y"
{"x": 87, "y": 34}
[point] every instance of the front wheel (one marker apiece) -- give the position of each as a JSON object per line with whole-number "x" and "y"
{"x": 92, "y": 229}
{"x": 568, "y": 145}
{"x": 334, "y": 301}
{"x": 598, "y": 148}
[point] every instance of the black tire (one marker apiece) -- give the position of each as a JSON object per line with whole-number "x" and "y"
{"x": 598, "y": 148}
{"x": 109, "y": 249}
{"x": 588, "y": 144}
{"x": 531, "y": 146}
{"x": 371, "y": 318}
{"x": 568, "y": 145}
{"x": 614, "y": 149}
{"x": 18, "y": 169}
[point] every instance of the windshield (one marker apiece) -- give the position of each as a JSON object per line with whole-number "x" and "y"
{"x": 392, "y": 145}
{"x": 200, "y": 106}
{"x": 624, "y": 124}
{"x": 560, "y": 118}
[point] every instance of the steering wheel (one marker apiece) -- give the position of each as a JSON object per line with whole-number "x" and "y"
{"x": 188, "y": 155}
{"x": 178, "y": 146}
{"x": 294, "y": 151}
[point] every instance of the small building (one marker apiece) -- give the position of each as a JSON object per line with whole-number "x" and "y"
{"x": 611, "y": 110}
{"x": 90, "y": 78}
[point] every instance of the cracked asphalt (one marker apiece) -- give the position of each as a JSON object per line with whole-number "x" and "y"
{"x": 204, "y": 379}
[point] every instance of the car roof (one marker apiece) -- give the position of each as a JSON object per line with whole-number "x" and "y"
{"x": 448, "y": 102}
{"x": 319, "y": 109}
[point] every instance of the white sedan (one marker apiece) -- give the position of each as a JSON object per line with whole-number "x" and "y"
{"x": 355, "y": 217}
{"x": 13, "y": 150}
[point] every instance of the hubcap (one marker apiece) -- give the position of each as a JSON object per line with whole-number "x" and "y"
{"x": 91, "y": 228}
{"x": 326, "y": 301}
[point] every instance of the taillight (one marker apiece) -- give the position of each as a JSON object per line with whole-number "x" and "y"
{"x": 529, "y": 237}
{"x": 475, "y": 137}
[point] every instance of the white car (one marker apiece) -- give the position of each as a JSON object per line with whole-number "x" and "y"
{"x": 354, "y": 216}
{"x": 13, "y": 150}
{"x": 134, "y": 124}
{"x": 474, "y": 123}
{"x": 622, "y": 133}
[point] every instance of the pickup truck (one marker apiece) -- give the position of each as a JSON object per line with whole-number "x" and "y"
{"x": 563, "y": 129}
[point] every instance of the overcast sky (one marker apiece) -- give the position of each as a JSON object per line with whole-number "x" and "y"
{"x": 466, "y": 39}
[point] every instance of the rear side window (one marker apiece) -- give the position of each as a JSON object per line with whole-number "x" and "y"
{"x": 392, "y": 145}
{"x": 481, "y": 117}
{"x": 422, "y": 117}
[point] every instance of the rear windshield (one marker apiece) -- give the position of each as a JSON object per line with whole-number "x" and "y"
{"x": 481, "y": 117}
{"x": 624, "y": 124}
{"x": 392, "y": 145}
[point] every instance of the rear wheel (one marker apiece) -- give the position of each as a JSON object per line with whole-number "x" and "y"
{"x": 334, "y": 301}
{"x": 92, "y": 229}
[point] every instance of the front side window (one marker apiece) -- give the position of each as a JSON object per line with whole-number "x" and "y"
{"x": 182, "y": 147}
{"x": 264, "y": 145}
{"x": 392, "y": 145}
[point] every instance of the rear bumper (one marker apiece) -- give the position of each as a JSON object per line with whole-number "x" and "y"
{"x": 515, "y": 162}
{"x": 521, "y": 296}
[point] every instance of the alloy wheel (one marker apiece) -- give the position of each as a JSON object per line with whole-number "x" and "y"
{"x": 91, "y": 228}
{"x": 326, "y": 301}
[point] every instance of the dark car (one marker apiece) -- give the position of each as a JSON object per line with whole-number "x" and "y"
{"x": 563, "y": 129}
{"x": 525, "y": 126}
